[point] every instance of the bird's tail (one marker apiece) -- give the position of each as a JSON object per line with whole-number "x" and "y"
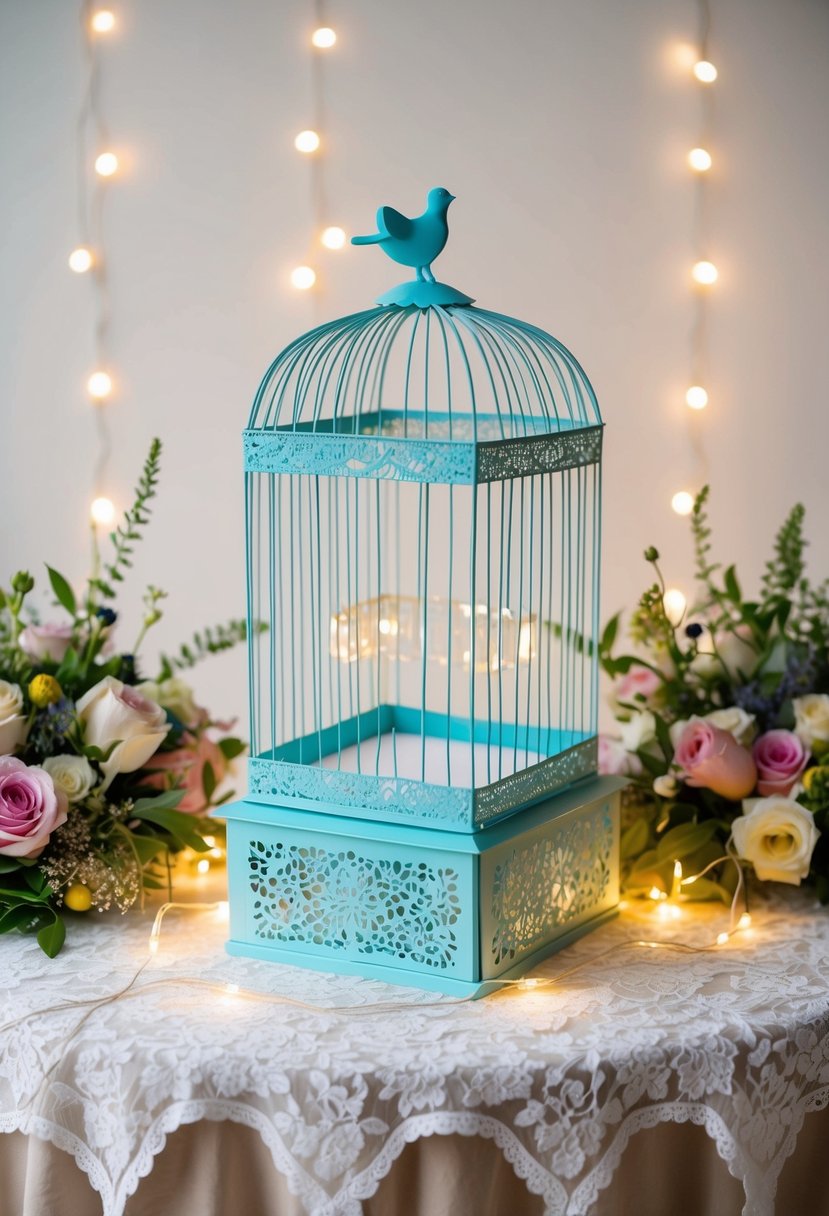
{"x": 367, "y": 240}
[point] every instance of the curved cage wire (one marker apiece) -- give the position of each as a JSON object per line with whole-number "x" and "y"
{"x": 453, "y": 372}
{"x": 423, "y": 520}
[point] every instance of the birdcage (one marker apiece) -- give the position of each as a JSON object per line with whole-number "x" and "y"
{"x": 423, "y": 517}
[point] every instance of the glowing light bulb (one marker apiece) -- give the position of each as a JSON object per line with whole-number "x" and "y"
{"x": 102, "y": 511}
{"x": 745, "y": 920}
{"x": 232, "y": 989}
{"x": 528, "y": 983}
{"x": 103, "y": 21}
{"x": 153, "y": 945}
{"x": 654, "y": 893}
{"x": 674, "y": 603}
{"x": 704, "y": 273}
{"x": 696, "y": 397}
{"x": 303, "y": 277}
{"x": 80, "y": 260}
{"x": 683, "y": 502}
{"x": 323, "y": 38}
{"x": 99, "y": 385}
{"x": 333, "y": 238}
{"x": 203, "y": 865}
{"x": 722, "y": 938}
{"x": 223, "y": 911}
{"x": 705, "y": 72}
{"x": 106, "y": 164}
{"x": 307, "y": 141}
{"x": 700, "y": 160}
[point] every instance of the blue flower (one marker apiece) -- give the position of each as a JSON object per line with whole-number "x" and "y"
{"x": 107, "y": 616}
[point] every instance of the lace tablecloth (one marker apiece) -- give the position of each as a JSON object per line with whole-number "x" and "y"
{"x": 736, "y": 1040}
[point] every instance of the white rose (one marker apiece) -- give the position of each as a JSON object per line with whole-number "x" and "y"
{"x": 173, "y": 694}
{"x": 665, "y": 786}
{"x": 14, "y": 726}
{"x": 777, "y": 835}
{"x": 638, "y": 731}
{"x": 811, "y": 715}
{"x": 736, "y": 721}
{"x": 72, "y": 774}
{"x": 114, "y": 712}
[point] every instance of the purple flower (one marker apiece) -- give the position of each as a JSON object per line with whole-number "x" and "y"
{"x": 30, "y": 808}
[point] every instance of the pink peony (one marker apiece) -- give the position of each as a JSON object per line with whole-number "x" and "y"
{"x": 186, "y": 764}
{"x": 49, "y": 641}
{"x": 30, "y": 808}
{"x": 639, "y": 680}
{"x": 780, "y": 758}
{"x": 711, "y": 758}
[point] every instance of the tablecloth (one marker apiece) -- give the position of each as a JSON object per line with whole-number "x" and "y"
{"x": 338, "y": 1076}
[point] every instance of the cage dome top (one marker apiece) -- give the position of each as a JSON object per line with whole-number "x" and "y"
{"x": 427, "y": 365}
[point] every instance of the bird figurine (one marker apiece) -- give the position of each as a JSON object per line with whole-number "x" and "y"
{"x": 414, "y": 242}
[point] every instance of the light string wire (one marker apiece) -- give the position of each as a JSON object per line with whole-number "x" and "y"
{"x": 226, "y": 989}
{"x": 92, "y": 137}
{"x": 698, "y": 363}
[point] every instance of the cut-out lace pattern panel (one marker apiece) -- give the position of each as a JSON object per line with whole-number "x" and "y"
{"x": 735, "y": 1039}
{"x": 381, "y": 909}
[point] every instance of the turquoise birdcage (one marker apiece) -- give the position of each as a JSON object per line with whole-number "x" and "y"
{"x": 423, "y": 517}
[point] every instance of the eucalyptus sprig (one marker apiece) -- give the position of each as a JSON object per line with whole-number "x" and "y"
{"x": 212, "y": 640}
{"x": 127, "y": 533}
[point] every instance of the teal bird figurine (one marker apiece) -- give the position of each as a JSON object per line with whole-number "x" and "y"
{"x": 414, "y": 242}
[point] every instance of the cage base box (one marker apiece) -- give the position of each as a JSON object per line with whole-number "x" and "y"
{"x": 450, "y": 912}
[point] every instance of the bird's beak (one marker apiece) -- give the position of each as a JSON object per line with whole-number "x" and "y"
{"x": 452, "y": 198}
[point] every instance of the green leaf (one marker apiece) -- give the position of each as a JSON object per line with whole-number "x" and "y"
{"x": 147, "y": 847}
{"x": 609, "y": 635}
{"x": 663, "y": 738}
{"x": 36, "y": 882}
{"x": 19, "y": 916}
{"x": 208, "y": 780}
{"x": 52, "y": 936}
{"x": 231, "y": 748}
{"x": 732, "y": 587}
{"x": 7, "y": 864}
{"x": 179, "y": 825}
{"x": 705, "y": 889}
{"x": 159, "y": 802}
{"x": 684, "y": 839}
{"x": 634, "y": 839}
{"x": 22, "y": 895}
{"x": 63, "y": 592}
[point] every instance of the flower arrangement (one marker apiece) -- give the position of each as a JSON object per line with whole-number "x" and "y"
{"x": 723, "y": 720}
{"x": 104, "y": 775}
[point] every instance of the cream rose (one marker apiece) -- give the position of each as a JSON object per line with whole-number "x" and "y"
{"x": 811, "y": 714}
{"x": 739, "y": 724}
{"x": 176, "y": 695}
{"x": 113, "y": 712}
{"x": 14, "y": 725}
{"x": 72, "y": 774}
{"x": 638, "y": 731}
{"x": 777, "y": 835}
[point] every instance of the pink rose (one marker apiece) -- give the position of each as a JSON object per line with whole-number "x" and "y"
{"x": 186, "y": 764}
{"x": 639, "y": 680}
{"x": 711, "y": 758}
{"x": 49, "y": 641}
{"x": 615, "y": 760}
{"x": 30, "y": 808}
{"x": 780, "y": 758}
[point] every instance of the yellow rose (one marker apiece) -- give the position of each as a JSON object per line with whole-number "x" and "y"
{"x": 812, "y": 721}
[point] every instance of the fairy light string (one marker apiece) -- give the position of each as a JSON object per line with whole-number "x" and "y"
{"x": 96, "y": 164}
{"x": 312, "y": 142}
{"x": 703, "y": 272}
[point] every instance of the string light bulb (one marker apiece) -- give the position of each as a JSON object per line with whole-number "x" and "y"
{"x": 80, "y": 260}
{"x": 674, "y": 603}
{"x": 99, "y": 385}
{"x": 103, "y": 21}
{"x": 203, "y": 866}
{"x": 722, "y": 938}
{"x": 696, "y": 398}
{"x": 102, "y": 511}
{"x": 307, "y": 142}
{"x": 704, "y": 273}
{"x": 333, "y": 238}
{"x": 323, "y": 38}
{"x": 700, "y": 160}
{"x": 705, "y": 71}
{"x": 303, "y": 277}
{"x": 683, "y": 502}
{"x": 106, "y": 164}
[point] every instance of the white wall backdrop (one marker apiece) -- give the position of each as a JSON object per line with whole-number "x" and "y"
{"x": 562, "y": 127}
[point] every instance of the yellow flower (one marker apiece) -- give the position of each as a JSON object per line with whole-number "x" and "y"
{"x": 78, "y": 897}
{"x": 44, "y": 690}
{"x": 811, "y": 774}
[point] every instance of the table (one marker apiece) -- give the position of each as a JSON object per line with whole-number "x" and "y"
{"x": 629, "y": 1086}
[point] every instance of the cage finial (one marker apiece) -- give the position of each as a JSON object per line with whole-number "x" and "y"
{"x": 416, "y": 242}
